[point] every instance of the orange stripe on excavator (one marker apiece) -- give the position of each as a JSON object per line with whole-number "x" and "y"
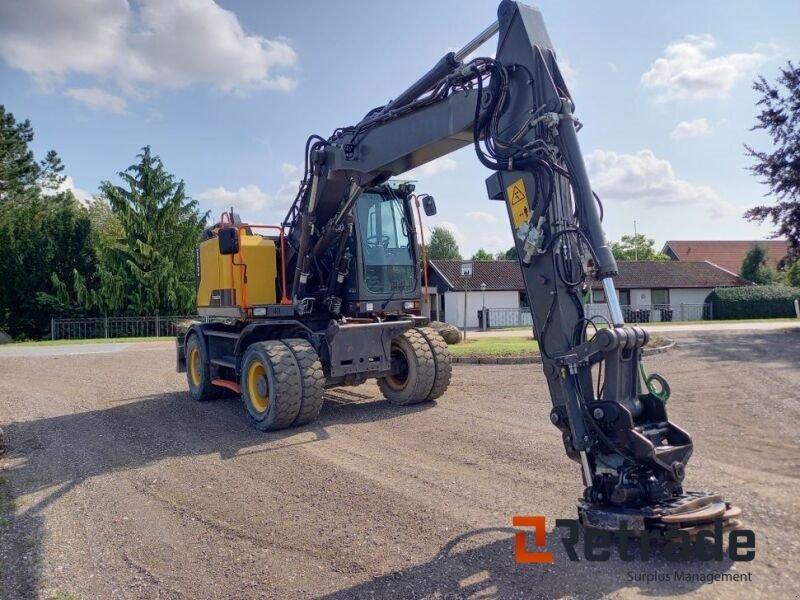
{"x": 227, "y": 384}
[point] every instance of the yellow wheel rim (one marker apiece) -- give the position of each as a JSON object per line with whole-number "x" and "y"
{"x": 255, "y": 374}
{"x": 195, "y": 369}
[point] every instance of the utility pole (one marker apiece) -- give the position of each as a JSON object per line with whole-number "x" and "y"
{"x": 466, "y": 273}
{"x": 635, "y": 242}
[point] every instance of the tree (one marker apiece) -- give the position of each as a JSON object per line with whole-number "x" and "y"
{"x": 442, "y": 245}
{"x": 780, "y": 168}
{"x": 791, "y": 273}
{"x": 755, "y": 268}
{"x": 510, "y": 254}
{"x": 45, "y": 239}
{"x": 149, "y": 269}
{"x": 19, "y": 171}
{"x": 482, "y": 254}
{"x": 636, "y": 247}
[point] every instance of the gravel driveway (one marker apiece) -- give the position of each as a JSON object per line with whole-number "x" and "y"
{"x": 116, "y": 484}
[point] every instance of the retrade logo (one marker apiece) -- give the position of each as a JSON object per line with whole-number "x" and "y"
{"x": 521, "y": 552}
{"x": 673, "y": 544}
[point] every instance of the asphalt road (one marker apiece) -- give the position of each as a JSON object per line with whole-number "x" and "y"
{"x": 116, "y": 484}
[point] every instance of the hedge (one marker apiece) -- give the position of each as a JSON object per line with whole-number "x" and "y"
{"x": 753, "y": 302}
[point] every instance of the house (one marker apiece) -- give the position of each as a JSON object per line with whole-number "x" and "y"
{"x": 504, "y": 289}
{"x": 726, "y": 254}
{"x": 648, "y": 291}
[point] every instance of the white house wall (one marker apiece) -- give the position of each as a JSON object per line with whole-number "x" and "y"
{"x": 689, "y": 296}
{"x": 454, "y": 305}
{"x": 685, "y": 303}
{"x": 640, "y": 297}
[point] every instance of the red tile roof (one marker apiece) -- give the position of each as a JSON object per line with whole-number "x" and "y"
{"x": 727, "y": 254}
{"x": 506, "y": 275}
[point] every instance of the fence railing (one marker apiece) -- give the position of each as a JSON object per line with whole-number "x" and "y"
{"x": 117, "y": 327}
{"x": 498, "y": 318}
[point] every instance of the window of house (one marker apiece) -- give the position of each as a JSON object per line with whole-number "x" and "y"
{"x": 625, "y": 297}
{"x": 523, "y": 300}
{"x": 660, "y": 296}
{"x": 598, "y": 296}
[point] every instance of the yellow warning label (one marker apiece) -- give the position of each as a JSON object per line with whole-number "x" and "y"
{"x": 517, "y": 200}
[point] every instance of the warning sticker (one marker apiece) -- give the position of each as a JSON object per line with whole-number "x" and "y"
{"x": 517, "y": 200}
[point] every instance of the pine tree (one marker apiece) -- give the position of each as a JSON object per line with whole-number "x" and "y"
{"x": 149, "y": 270}
{"x": 755, "y": 268}
{"x": 45, "y": 239}
{"x": 19, "y": 172}
{"x": 780, "y": 168}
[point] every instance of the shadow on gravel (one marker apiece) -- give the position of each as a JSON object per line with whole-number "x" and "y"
{"x": 58, "y": 453}
{"x": 478, "y": 564}
{"x": 767, "y": 347}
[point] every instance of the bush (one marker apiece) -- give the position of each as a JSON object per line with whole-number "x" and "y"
{"x": 753, "y": 302}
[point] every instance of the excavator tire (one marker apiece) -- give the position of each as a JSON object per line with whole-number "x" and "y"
{"x": 312, "y": 379}
{"x": 441, "y": 362}
{"x": 412, "y": 354}
{"x": 272, "y": 389}
{"x": 198, "y": 374}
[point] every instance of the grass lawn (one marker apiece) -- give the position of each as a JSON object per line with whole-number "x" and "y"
{"x": 495, "y": 346}
{"x": 94, "y": 341}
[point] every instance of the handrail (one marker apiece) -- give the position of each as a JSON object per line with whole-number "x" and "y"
{"x": 424, "y": 251}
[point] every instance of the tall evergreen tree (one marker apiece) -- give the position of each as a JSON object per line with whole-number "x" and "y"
{"x": 755, "y": 268}
{"x": 150, "y": 269}
{"x": 45, "y": 239}
{"x": 780, "y": 168}
{"x": 19, "y": 171}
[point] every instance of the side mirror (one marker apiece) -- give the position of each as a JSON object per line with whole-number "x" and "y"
{"x": 228, "y": 238}
{"x": 429, "y": 205}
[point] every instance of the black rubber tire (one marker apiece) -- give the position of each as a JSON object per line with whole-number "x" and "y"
{"x": 312, "y": 380}
{"x": 418, "y": 383}
{"x": 441, "y": 362}
{"x": 204, "y": 390}
{"x": 283, "y": 385}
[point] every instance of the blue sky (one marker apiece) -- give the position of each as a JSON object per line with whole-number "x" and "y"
{"x": 227, "y": 93}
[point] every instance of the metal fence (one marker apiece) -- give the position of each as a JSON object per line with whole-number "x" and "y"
{"x": 498, "y": 318}
{"x": 117, "y": 327}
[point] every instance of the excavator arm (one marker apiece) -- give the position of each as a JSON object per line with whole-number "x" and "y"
{"x": 517, "y": 113}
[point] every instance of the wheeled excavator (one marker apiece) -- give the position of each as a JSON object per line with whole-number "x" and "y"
{"x": 331, "y": 296}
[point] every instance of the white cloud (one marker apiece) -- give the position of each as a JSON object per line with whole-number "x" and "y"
{"x": 568, "y": 71}
{"x": 142, "y": 47}
{"x": 436, "y": 166}
{"x": 690, "y": 129}
{"x": 645, "y": 179}
{"x": 452, "y": 228}
{"x": 98, "y": 99}
{"x": 69, "y": 185}
{"x": 687, "y": 72}
{"x": 251, "y": 201}
{"x": 481, "y": 217}
{"x": 249, "y": 198}
{"x": 290, "y": 170}
{"x": 497, "y": 243}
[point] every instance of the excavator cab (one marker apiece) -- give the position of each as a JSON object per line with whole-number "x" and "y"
{"x": 384, "y": 275}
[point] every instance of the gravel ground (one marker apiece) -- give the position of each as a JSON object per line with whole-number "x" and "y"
{"x": 116, "y": 484}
